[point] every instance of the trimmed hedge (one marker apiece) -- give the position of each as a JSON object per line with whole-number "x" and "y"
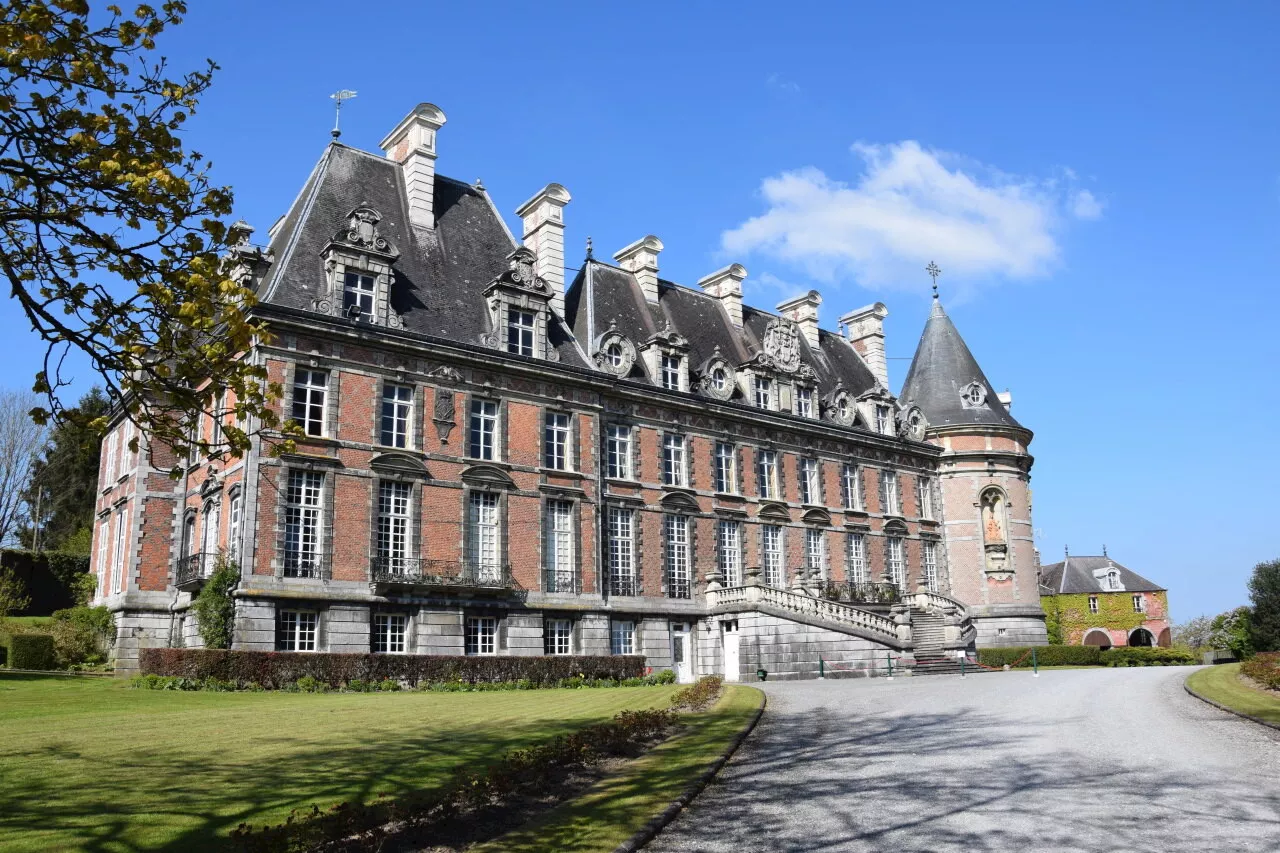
{"x": 273, "y": 670}
{"x": 1263, "y": 668}
{"x": 32, "y": 651}
{"x": 1020, "y": 657}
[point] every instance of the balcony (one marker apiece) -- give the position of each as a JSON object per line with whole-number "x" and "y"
{"x": 193, "y": 569}
{"x": 414, "y": 573}
{"x": 851, "y": 592}
{"x": 623, "y": 585}
{"x": 678, "y": 587}
{"x": 298, "y": 566}
{"x": 561, "y": 582}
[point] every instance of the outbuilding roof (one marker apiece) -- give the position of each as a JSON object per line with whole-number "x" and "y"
{"x": 1087, "y": 574}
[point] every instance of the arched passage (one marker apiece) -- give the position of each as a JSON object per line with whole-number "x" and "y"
{"x": 1098, "y": 637}
{"x": 1165, "y": 640}
{"x": 1141, "y": 637}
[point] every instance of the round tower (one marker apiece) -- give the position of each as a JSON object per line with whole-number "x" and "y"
{"x": 985, "y": 475}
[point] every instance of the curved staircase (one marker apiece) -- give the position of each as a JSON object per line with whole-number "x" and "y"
{"x": 932, "y": 615}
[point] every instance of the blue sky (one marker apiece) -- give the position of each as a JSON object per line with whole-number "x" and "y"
{"x": 1099, "y": 182}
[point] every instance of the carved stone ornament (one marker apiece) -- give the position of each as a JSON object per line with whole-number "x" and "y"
{"x": 445, "y": 373}
{"x": 244, "y": 262}
{"x": 782, "y": 344}
{"x": 521, "y": 272}
{"x": 838, "y": 407}
{"x": 361, "y": 233}
{"x": 973, "y": 395}
{"x": 914, "y": 424}
{"x": 717, "y": 378}
{"x": 670, "y": 338}
{"x": 443, "y": 416}
{"x": 615, "y": 354}
{"x": 805, "y": 373}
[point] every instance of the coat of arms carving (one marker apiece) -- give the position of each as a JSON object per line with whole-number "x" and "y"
{"x": 782, "y": 345}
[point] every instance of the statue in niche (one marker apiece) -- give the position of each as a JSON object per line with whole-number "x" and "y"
{"x": 995, "y": 542}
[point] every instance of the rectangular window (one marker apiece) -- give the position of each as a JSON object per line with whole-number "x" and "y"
{"x": 622, "y": 637}
{"x": 304, "y": 502}
{"x": 622, "y": 550}
{"x": 558, "y": 560}
{"x": 310, "y": 391}
{"x": 671, "y": 372}
{"x": 1139, "y": 604}
{"x": 676, "y": 528}
{"x": 296, "y": 630}
{"x": 767, "y": 473}
{"x": 557, "y": 635}
{"x": 393, "y": 525}
{"x": 357, "y": 296}
{"x": 815, "y": 552}
{"x": 673, "y": 460}
{"x": 1093, "y": 604}
{"x": 520, "y": 332}
{"x": 771, "y": 554}
{"x": 726, "y": 465}
{"x": 555, "y": 445}
{"x": 729, "y": 551}
{"x": 925, "y": 488}
{"x": 764, "y": 392}
{"x": 618, "y": 449}
{"x": 897, "y": 568}
{"x": 804, "y": 402}
{"x": 810, "y": 481}
{"x": 389, "y": 630}
{"x": 484, "y": 429}
{"x": 889, "y": 488}
{"x": 397, "y": 415}
{"x": 483, "y": 542}
{"x": 481, "y": 635}
{"x": 929, "y": 564}
{"x": 104, "y": 542}
{"x": 857, "y": 555}
{"x": 121, "y": 551}
{"x": 884, "y": 420}
{"x": 235, "y": 524}
{"x": 851, "y": 486}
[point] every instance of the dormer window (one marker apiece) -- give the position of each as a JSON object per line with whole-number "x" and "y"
{"x": 520, "y": 326}
{"x": 671, "y": 372}
{"x": 719, "y": 379}
{"x": 358, "y": 267}
{"x": 666, "y": 359}
{"x": 884, "y": 419}
{"x": 764, "y": 392}
{"x": 844, "y": 411}
{"x": 613, "y": 354}
{"x": 804, "y": 402}
{"x": 518, "y": 313}
{"x": 358, "y": 292}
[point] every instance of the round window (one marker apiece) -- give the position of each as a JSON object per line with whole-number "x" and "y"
{"x": 614, "y": 353}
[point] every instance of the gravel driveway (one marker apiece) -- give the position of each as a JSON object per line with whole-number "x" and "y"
{"x": 1075, "y": 760}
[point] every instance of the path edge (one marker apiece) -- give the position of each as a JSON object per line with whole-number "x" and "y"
{"x": 656, "y": 824}
{"x": 1221, "y": 707}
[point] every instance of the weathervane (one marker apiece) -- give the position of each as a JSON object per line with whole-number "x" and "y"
{"x": 934, "y": 272}
{"x": 338, "y": 97}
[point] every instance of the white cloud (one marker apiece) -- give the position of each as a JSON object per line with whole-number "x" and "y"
{"x": 777, "y": 82}
{"x": 909, "y": 206}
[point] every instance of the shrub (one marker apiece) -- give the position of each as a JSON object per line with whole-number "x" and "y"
{"x": 273, "y": 670}
{"x": 32, "y": 651}
{"x": 1020, "y": 656}
{"x": 1141, "y": 656}
{"x": 82, "y": 635}
{"x": 700, "y": 695}
{"x": 1263, "y": 668}
{"x": 214, "y": 607}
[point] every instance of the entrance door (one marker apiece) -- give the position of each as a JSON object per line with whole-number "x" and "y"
{"x": 729, "y": 633}
{"x": 682, "y": 652}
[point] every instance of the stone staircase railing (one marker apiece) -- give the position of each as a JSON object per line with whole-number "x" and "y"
{"x": 959, "y": 627}
{"x": 753, "y": 596}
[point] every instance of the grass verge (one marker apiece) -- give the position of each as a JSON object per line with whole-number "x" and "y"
{"x": 90, "y": 764}
{"x": 616, "y": 808}
{"x": 1222, "y": 684}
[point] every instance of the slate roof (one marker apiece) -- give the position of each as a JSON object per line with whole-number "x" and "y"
{"x": 440, "y": 273}
{"x": 941, "y": 369}
{"x": 1075, "y": 575}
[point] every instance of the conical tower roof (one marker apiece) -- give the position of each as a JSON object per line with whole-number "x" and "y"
{"x": 946, "y": 382}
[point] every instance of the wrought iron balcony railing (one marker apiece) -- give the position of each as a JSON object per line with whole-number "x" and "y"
{"x": 415, "y": 571}
{"x": 297, "y": 566}
{"x": 623, "y": 585}
{"x": 193, "y": 569}
{"x": 679, "y": 587}
{"x": 561, "y": 582}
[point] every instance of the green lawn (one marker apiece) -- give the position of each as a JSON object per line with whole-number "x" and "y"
{"x": 1222, "y": 684}
{"x": 90, "y": 764}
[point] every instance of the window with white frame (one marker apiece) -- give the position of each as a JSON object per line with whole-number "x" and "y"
{"x": 215, "y": 437}
{"x": 397, "y": 415}
{"x": 483, "y": 546}
{"x": 884, "y": 420}
{"x": 896, "y": 561}
{"x": 674, "y": 469}
{"x": 764, "y": 392}
{"x": 670, "y": 370}
{"x": 614, "y": 355}
{"x": 810, "y": 481}
{"x": 815, "y": 552}
{"x": 622, "y": 637}
{"x": 304, "y": 503}
{"x": 558, "y": 561}
{"x": 622, "y": 552}
{"x": 557, "y": 635}
{"x": 929, "y": 564}
{"x": 555, "y": 443}
{"x": 1139, "y": 604}
{"x": 394, "y": 500}
{"x": 676, "y": 530}
{"x": 618, "y": 451}
{"x": 235, "y": 525}
{"x": 128, "y": 457}
{"x": 520, "y": 331}
{"x": 208, "y": 534}
{"x": 889, "y": 488}
{"x": 296, "y": 630}
{"x": 857, "y": 557}
{"x": 389, "y": 632}
{"x": 804, "y": 402}
{"x": 771, "y": 554}
{"x": 767, "y": 473}
{"x": 481, "y": 635}
{"x": 484, "y": 429}
{"x": 851, "y": 486}
{"x": 109, "y": 469}
{"x": 104, "y": 543}
{"x": 925, "y": 488}
{"x": 1113, "y": 580}
{"x": 1093, "y": 604}
{"x": 121, "y": 551}
{"x": 358, "y": 292}
{"x": 729, "y": 551}
{"x": 726, "y": 468}
{"x": 310, "y": 394}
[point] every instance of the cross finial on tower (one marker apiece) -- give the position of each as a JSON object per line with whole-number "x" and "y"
{"x": 1066, "y": 550}
{"x": 338, "y": 97}
{"x": 589, "y": 255}
{"x": 934, "y": 272}
{"x": 1104, "y": 550}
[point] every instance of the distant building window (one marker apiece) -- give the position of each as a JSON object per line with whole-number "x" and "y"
{"x": 719, "y": 379}
{"x": 842, "y": 409}
{"x": 851, "y": 487}
{"x": 929, "y": 565}
{"x": 857, "y": 557}
{"x": 556, "y": 442}
{"x": 484, "y": 427}
{"x": 484, "y": 536}
{"x": 397, "y": 415}
{"x": 357, "y": 296}
{"x": 673, "y": 460}
{"x": 1093, "y": 604}
{"x": 622, "y": 549}
{"x": 815, "y": 552}
{"x": 726, "y": 468}
{"x": 481, "y": 636}
{"x": 1113, "y": 580}
{"x": 622, "y": 637}
{"x": 767, "y": 473}
{"x": 618, "y": 447}
{"x": 310, "y": 391}
{"x": 810, "y": 482}
{"x": 889, "y": 488}
{"x": 804, "y": 402}
{"x": 896, "y": 562}
{"x": 677, "y": 536}
{"x": 304, "y": 504}
{"x": 235, "y": 524}
{"x": 558, "y": 561}
{"x": 671, "y": 372}
{"x": 393, "y": 525}
{"x": 884, "y": 420}
{"x": 730, "y": 551}
{"x": 925, "y": 487}
{"x": 613, "y": 353}
{"x": 519, "y": 332}
{"x": 764, "y": 392}
{"x": 558, "y": 637}
{"x": 389, "y": 631}
{"x": 1139, "y": 604}
{"x": 771, "y": 553}
{"x": 296, "y": 630}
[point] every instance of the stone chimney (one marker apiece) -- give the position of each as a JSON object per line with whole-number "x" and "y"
{"x": 804, "y": 311}
{"x": 413, "y": 145}
{"x": 726, "y": 286}
{"x": 641, "y": 259}
{"x": 543, "y": 218}
{"x": 866, "y": 333}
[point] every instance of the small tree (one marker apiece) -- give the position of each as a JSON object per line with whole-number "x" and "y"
{"x": 1194, "y": 633}
{"x": 1233, "y": 631}
{"x": 13, "y": 593}
{"x": 1264, "y": 593}
{"x": 214, "y": 607}
{"x": 21, "y": 440}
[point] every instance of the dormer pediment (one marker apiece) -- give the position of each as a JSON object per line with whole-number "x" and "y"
{"x": 361, "y": 235}
{"x": 521, "y": 274}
